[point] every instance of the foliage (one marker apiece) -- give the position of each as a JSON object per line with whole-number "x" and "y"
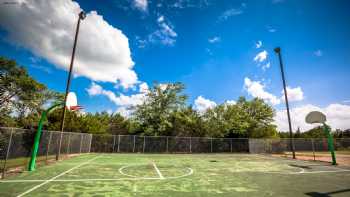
{"x": 316, "y": 132}
{"x": 244, "y": 119}
{"x": 21, "y": 94}
{"x": 187, "y": 122}
{"x": 154, "y": 116}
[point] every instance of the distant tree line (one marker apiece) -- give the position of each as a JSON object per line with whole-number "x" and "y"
{"x": 164, "y": 112}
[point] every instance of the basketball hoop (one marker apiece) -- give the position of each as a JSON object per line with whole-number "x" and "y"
{"x": 75, "y": 108}
{"x": 72, "y": 102}
{"x": 319, "y": 117}
{"x": 315, "y": 117}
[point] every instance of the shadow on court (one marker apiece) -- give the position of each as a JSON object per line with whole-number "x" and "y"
{"x": 329, "y": 194}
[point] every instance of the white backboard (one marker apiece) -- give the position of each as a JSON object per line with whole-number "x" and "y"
{"x": 71, "y": 100}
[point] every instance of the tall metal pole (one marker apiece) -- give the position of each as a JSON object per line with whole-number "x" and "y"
{"x": 81, "y": 17}
{"x": 278, "y": 51}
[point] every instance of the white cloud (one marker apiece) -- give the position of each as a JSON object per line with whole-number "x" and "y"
{"x": 163, "y": 86}
{"x": 231, "y": 12}
{"x": 256, "y": 89}
{"x": 160, "y": 19}
{"x": 182, "y": 4}
{"x": 260, "y": 57}
{"x": 201, "y": 104}
{"x": 214, "y": 39}
{"x": 141, "y": 5}
{"x": 94, "y": 89}
{"x": 124, "y": 111}
{"x": 346, "y": 101}
{"x": 277, "y": 1}
{"x": 124, "y": 102}
{"x": 165, "y": 35}
{"x": 47, "y": 29}
{"x": 271, "y": 29}
{"x": 230, "y": 102}
{"x": 266, "y": 66}
{"x": 141, "y": 43}
{"x": 143, "y": 88}
{"x": 338, "y": 117}
{"x": 209, "y": 51}
{"x": 318, "y": 53}
{"x": 258, "y": 44}
{"x": 294, "y": 94}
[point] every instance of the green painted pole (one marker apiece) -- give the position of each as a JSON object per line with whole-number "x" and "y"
{"x": 330, "y": 143}
{"x": 31, "y": 166}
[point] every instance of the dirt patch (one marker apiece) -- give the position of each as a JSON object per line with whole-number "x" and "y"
{"x": 342, "y": 160}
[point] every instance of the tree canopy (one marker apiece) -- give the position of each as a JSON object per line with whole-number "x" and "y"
{"x": 164, "y": 112}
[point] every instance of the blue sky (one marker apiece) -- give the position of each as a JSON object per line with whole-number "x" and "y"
{"x": 210, "y": 46}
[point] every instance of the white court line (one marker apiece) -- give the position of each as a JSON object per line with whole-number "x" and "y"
{"x": 80, "y": 180}
{"x": 157, "y": 170}
{"x": 55, "y": 177}
{"x": 324, "y": 171}
{"x": 190, "y": 172}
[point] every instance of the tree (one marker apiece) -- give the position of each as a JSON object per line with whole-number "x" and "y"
{"x": 316, "y": 132}
{"x": 187, "y": 122}
{"x": 297, "y": 133}
{"x": 6, "y": 120}
{"x": 154, "y": 115}
{"x": 118, "y": 125}
{"x": 22, "y": 94}
{"x": 244, "y": 119}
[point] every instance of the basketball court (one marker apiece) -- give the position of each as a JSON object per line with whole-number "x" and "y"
{"x": 180, "y": 175}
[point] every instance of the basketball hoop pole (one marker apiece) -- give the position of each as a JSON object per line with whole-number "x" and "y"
{"x": 81, "y": 17}
{"x": 330, "y": 143}
{"x": 31, "y": 165}
{"x": 278, "y": 51}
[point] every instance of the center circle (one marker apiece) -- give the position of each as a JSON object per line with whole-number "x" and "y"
{"x": 148, "y": 171}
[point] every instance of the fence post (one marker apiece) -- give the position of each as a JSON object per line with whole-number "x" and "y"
{"x": 48, "y": 146}
{"x": 113, "y": 148}
{"x": 211, "y": 144}
{"x": 190, "y": 144}
{"x": 144, "y": 143}
{"x": 7, "y": 153}
{"x": 133, "y": 148}
{"x": 81, "y": 142}
{"x": 231, "y": 145}
{"x": 90, "y": 143}
{"x": 167, "y": 144}
{"x": 313, "y": 148}
{"x": 68, "y": 143}
{"x": 118, "y": 143}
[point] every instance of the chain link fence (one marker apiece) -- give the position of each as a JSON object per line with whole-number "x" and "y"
{"x": 167, "y": 144}
{"x": 305, "y": 148}
{"x": 16, "y": 146}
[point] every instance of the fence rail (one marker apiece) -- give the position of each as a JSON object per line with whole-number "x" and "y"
{"x": 16, "y": 145}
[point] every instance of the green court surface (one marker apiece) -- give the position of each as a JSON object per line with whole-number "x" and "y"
{"x": 180, "y": 175}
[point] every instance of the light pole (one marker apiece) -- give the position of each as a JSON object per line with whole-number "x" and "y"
{"x": 82, "y": 16}
{"x": 278, "y": 51}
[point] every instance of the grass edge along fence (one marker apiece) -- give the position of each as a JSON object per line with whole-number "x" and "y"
{"x": 16, "y": 146}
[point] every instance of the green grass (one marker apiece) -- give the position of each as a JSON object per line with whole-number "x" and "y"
{"x": 23, "y": 161}
{"x": 180, "y": 175}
